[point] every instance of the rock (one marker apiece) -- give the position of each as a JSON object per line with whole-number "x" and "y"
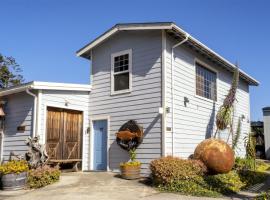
{"x": 216, "y": 154}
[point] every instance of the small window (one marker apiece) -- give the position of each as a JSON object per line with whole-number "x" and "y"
{"x": 121, "y": 72}
{"x": 206, "y": 82}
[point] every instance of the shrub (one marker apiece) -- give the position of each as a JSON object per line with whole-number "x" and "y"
{"x": 263, "y": 196}
{"x": 244, "y": 164}
{"x": 250, "y": 178}
{"x": 14, "y": 166}
{"x": 207, "y": 185}
{"x": 225, "y": 183}
{"x": 43, "y": 176}
{"x": 169, "y": 169}
{"x": 262, "y": 166}
{"x": 250, "y": 164}
{"x": 195, "y": 187}
{"x": 189, "y": 177}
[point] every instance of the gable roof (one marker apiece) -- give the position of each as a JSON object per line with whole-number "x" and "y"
{"x": 36, "y": 85}
{"x": 173, "y": 30}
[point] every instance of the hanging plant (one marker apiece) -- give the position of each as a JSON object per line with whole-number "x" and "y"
{"x": 225, "y": 113}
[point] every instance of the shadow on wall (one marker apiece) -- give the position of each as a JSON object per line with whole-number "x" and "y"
{"x": 211, "y": 123}
{"x": 18, "y": 123}
{"x": 118, "y": 155}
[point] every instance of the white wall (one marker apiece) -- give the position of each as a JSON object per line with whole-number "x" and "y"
{"x": 76, "y": 101}
{"x": 196, "y": 121}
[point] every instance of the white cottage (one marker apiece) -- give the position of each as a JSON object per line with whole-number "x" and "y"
{"x": 154, "y": 73}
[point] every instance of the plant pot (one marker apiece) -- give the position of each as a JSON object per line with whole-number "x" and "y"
{"x": 14, "y": 181}
{"x": 130, "y": 172}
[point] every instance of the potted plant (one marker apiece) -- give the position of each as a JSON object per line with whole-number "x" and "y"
{"x": 14, "y": 174}
{"x": 132, "y": 169}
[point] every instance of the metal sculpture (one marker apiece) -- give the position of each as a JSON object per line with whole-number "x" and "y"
{"x": 130, "y": 135}
{"x": 36, "y": 155}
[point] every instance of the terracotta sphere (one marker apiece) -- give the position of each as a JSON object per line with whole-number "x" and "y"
{"x": 216, "y": 154}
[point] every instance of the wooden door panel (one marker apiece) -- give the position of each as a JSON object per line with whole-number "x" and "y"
{"x": 54, "y": 129}
{"x": 73, "y": 130}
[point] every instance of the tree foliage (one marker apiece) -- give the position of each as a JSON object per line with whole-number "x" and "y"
{"x": 10, "y": 72}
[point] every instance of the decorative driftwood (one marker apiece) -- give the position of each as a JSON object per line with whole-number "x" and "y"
{"x": 130, "y": 135}
{"x": 36, "y": 155}
{"x": 13, "y": 156}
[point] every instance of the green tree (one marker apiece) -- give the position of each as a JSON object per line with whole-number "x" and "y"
{"x": 10, "y": 72}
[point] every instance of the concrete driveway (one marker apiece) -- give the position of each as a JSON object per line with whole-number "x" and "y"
{"x": 93, "y": 185}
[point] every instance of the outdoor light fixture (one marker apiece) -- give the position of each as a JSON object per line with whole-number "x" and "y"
{"x": 186, "y": 100}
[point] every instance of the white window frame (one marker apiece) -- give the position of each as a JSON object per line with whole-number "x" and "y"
{"x": 207, "y": 66}
{"x": 113, "y": 55}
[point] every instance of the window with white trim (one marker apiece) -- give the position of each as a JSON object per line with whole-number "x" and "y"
{"x": 206, "y": 82}
{"x": 121, "y": 72}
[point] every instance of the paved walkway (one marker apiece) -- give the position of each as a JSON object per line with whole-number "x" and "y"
{"x": 100, "y": 186}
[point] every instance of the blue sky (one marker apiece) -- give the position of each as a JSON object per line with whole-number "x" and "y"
{"x": 43, "y": 35}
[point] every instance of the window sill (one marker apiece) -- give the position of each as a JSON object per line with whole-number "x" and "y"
{"x": 120, "y": 92}
{"x": 205, "y": 99}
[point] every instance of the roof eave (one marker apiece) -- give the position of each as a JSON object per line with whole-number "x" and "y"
{"x": 84, "y": 51}
{"x": 36, "y": 85}
{"x": 243, "y": 75}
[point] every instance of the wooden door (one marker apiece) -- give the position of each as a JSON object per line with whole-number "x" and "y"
{"x": 64, "y": 134}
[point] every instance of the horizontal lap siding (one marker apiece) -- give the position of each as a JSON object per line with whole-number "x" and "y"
{"x": 142, "y": 104}
{"x": 77, "y": 100}
{"x": 18, "y": 110}
{"x": 196, "y": 121}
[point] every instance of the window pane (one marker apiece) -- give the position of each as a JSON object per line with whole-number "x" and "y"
{"x": 206, "y": 82}
{"x": 121, "y": 63}
{"x": 121, "y": 81}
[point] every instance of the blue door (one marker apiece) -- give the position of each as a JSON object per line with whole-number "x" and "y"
{"x": 100, "y": 144}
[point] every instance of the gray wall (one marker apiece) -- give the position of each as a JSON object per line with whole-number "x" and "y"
{"x": 142, "y": 104}
{"x": 18, "y": 110}
{"x": 266, "y": 121}
{"x": 196, "y": 121}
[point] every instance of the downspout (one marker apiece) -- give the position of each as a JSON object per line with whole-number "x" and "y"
{"x": 172, "y": 86}
{"x": 164, "y": 89}
{"x": 33, "y": 111}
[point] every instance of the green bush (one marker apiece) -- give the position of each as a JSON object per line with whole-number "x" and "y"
{"x": 43, "y": 176}
{"x": 261, "y": 166}
{"x": 189, "y": 177}
{"x": 207, "y": 185}
{"x": 263, "y": 196}
{"x": 14, "y": 166}
{"x": 224, "y": 183}
{"x": 251, "y": 164}
{"x": 244, "y": 164}
{"x": 250, "y": 178}
{"x": 195, "y": 187}
{"x": 169, "y": 169}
